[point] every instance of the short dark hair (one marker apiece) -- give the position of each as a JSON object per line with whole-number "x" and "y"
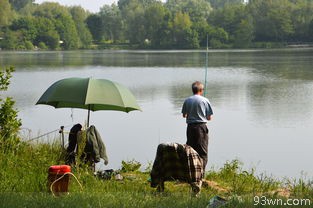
{"x": 197, "y": 87}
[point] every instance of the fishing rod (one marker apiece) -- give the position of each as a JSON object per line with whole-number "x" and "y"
{"x": 206, "y": 65}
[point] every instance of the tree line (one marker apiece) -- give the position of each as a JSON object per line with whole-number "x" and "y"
{"x": 152, "y": 24}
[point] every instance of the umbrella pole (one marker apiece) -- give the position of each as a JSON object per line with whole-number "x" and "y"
{"x": 88, "y": 116}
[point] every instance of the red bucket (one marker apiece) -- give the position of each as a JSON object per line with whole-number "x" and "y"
{"x": 58, "y": 180}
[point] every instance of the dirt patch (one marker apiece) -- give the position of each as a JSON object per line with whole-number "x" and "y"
{"x": 214, "y": 185}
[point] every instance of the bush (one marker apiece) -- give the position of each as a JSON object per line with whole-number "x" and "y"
{"x": 29, "y": 45}
{"x": 9, "y": 122}
{"x": 217, "y": 44}
{"x": 130, "y": 166}
{"x": 42, "y": 46}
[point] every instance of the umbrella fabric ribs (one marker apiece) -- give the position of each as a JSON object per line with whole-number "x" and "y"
{"x": 91, "y": 94}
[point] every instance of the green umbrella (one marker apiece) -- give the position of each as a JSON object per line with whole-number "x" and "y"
{"x": 91, "y": 94}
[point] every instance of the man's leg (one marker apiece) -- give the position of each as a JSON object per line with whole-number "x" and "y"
{"x": 198, "y": 139}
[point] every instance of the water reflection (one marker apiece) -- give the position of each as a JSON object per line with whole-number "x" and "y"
{"x": 283, "y": 103}
{"x": 287, "y": 63}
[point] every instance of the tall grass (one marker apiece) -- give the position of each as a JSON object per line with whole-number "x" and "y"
{"x": 25, "y": 168}
{"x": 242, "y": 182}
{"x": 23, "y": 175}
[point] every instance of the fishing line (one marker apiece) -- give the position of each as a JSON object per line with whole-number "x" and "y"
{"x": 50, "y": 132}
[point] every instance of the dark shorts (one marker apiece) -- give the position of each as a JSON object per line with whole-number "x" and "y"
{"x": 198, "y": 139}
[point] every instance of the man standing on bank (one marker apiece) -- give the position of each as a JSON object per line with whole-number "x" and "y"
{"x": 197, "y": 111}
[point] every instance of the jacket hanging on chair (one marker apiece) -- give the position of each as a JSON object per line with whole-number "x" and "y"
{"x": 72, "y": 144}
{"x": 87, "y": 143}
{"x": 95, "y": 147}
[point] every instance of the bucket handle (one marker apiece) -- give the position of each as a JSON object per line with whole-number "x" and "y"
{"x": 68, "y": 173}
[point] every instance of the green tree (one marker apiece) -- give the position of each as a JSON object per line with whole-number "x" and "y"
{"x": 133, "y": 15}
{"x": 6, "y": 13}
{"x": 217, "y": 4}
{"x": 229, "y": 18}
{"x": 9, "y": 122}
{"x": 301, "y": 16}
{"x": 157, "y": 18}
{"x": 123, "y": 4}
{"x": 111, "y": 22}
{"x": 93, "y": 21}
{"x": 197, "y": 10}
{"x": 66, "y": 28}
{"x": 26, "y": 25}
{"x": 244, "y": 34}
{"x": 310, "y": 32}
{"x": 217, "y": 37}
{"x": 12, "y": 40}
{"x": 29, "y": 45}
{"x": 202, "y": 28}
{"x": 50, "y": 39}
{"x": 183, "y": 35}
{"x": 47, "y": 35}
{"x": 79, "y": 16}
{"x": 63, "y": 22}
{"x": 19, "y": 4}
{"x": 27, "y": 10}
{"x": 272, "y": 19}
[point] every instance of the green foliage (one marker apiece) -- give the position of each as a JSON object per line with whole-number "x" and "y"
{"x": 198, "y": 10}
{"x": 46, "y": 33}
{"x": 19, "y": 4}
{"x": 67, "y": 31}
{"x": 133, "y": 15}
{"x": 302, "y": 17}
{"x": 9, "y": 122}
{"x": 272, "y": 19}
{"x": 156, "y": 24}
{"x": 111, "y": 22}
{"x": 216, "y": 44}
{"x": 93, "y": 21}
{"x": 79, "y": 16}
{"x": 42, "y": 46}
{"x": 50, "y": 39}
{"x": 174, "y": 24}
{"x": 231, "y": 18}
{"x": 63, "y": 23}
{"x": 26, "y": 25}
{"x": 300, "y": 187}
{"x": 244, "y": 34}
{"x": 11, "y": 39}
{"x": 222, "y": 3}
{"x": 6, "y": 13}
{"x": 5, "y": 76}
{"x": 29, "y": 162}
{"x": 130, "y": 166}
{"x": 183, "y": 35}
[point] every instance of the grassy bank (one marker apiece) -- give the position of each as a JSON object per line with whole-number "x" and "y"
{"x": 23, "y": 175}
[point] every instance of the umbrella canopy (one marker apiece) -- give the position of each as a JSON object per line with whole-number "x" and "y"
{"x": 91, "y": 94}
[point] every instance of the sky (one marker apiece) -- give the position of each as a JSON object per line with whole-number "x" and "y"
{"x": 91, "y": 5}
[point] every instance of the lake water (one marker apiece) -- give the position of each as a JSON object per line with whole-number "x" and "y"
{"x": 262, "y": 102}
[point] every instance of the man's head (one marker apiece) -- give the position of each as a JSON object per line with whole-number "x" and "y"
{"x": 197, "y": 88}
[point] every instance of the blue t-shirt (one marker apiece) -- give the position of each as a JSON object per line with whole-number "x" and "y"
{"x": 197, "y": 108}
